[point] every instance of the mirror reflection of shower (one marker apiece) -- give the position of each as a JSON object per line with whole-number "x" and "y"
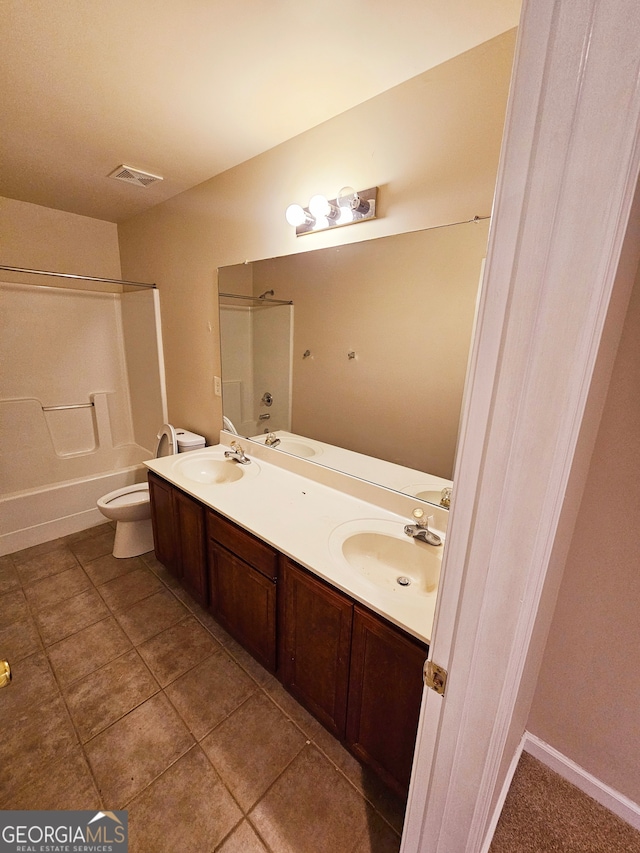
{"x": 256, "y": 337}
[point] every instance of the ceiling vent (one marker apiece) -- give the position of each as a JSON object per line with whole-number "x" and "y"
{"x": 134, "y": 176}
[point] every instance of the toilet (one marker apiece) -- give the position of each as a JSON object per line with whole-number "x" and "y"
{"x": 129, "y": 507}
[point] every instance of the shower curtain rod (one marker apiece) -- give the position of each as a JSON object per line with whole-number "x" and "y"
{"x": 79, "y": 277}
{"x": 258, "y": 299}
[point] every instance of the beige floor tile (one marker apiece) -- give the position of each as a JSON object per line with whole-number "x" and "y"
{"x": 9, "y": 580}
{"x": 252, "y": 747}
{"x": 42, "y": 733}
{"x": 64, "y": 783}
{"x": 311, "y": 808}
{"x": 106, "y": 568}
{"x": 123, "y": 592}
{"x": 70, "y": 616}
{"x": 92, "y": 547}
{"x": 242, "y": 840}
{"x": 151, "y": 616}
{"x": 32, "y": 683}
{"x": 187, "y": 808}
{"x": 209, "y": 692}
{"x": 44, "y": 565}
{"x": 57, "y": 588}
{"x": 178, "y": 649}
{"x": 19, "y": 640}
{"x": 161, "y": 571}
{"x": 108, "y": 693}
{"x": 378, "y": 837}
{"x": 134, "y": 751}
{"x": 25, "y": 554}
{"x": 390, "y": 805}
{"x": 301, "y": 717}
{"x": 89, "y": 649}
{"x": 13, "y": 607}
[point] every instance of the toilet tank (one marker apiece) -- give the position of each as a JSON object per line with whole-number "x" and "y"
{"x": 189, "y": 441}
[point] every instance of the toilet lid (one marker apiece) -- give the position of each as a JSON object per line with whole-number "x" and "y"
{"x": 167, "y": 441}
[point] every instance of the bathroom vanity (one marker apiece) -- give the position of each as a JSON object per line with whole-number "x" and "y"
{"x": 262, "y": 547}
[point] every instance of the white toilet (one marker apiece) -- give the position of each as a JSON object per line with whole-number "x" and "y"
{"x": 130, "y": 508}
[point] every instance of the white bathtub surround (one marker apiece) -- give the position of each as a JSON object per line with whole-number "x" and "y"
{"x": 298, "y": 507}
{"x": 33, "y": 516}
{"x": 81, "y": 399}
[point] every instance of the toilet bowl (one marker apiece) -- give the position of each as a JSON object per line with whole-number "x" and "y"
{"x": 130, "y": 507}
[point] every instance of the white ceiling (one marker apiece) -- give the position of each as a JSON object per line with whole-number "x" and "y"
{"x": 189, "y": 88}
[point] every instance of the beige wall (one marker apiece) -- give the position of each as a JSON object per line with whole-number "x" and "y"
{"x": 430, "y": 144}
{"x": 587, "y": 700}
{"x": 40, "y": 238}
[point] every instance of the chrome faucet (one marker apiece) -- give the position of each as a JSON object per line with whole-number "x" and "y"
{"x": 420, "y": 529}
{"x": 272, "y": 440}
{"x": 237, "y": 454}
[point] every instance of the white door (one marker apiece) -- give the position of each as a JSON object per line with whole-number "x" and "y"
{"x": 562, "y": 253}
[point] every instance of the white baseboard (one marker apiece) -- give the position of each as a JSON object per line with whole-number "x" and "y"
{"x": 611, "y": 799}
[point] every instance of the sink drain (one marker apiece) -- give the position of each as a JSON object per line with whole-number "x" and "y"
{"x": 403, "y": 581}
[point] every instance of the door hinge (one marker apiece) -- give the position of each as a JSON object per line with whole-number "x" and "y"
{"x": 435, "y": 676}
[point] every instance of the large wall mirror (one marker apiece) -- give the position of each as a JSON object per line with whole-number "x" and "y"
{"x": 362, "y": 347}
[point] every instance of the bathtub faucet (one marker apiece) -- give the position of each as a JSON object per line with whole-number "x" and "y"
{"x": 237, "y": 454}
{"x": 420, "y": 529}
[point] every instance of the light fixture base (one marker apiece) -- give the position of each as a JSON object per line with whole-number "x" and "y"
{"x": 367, "y": 199}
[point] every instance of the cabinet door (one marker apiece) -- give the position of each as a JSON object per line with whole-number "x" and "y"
{"x": 385, "y": 692}
{"x": 316, "y": 643}
{"x": 162, "y": 522}
{"x": 244, "y": 602}
{"x": 190, "y": 525}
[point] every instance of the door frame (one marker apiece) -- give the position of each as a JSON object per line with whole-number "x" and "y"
{"x": 563, "y": 252}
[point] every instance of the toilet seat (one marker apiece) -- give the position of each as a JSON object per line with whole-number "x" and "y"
{"x": 167, "y": 441}
{"x": 130, "y": 503}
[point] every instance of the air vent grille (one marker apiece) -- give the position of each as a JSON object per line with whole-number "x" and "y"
{"x": 134, "y": 176}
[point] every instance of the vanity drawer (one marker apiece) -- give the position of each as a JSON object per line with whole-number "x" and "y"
{"x": 243, "y": 545}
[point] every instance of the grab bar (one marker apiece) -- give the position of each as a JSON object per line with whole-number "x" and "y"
{"x": 60, "y": 408}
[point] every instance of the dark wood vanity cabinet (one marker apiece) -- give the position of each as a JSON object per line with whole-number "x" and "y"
{"x": 385, "y": 692}
{"x": 316, "y": 645}
{"x": 163, "y": 523}
{"x": 179, "y": 536}
{"x": 356, "y": 672}
{"x": 243, "y": 572}
{"x": 359, "y": 675}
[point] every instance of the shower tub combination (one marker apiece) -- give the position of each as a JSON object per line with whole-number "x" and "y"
{"x": 66, "y": 443}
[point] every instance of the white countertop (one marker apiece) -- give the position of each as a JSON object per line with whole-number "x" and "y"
{"x": 297, "y": 515}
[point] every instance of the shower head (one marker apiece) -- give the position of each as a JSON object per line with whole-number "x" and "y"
{"x": 266, "y": 293}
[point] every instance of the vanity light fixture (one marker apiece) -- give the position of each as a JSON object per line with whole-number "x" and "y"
{"x": 347, "y": 208}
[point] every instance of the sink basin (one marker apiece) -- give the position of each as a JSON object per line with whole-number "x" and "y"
{"x": 298, "y": 448}
{"x": 382, "y": 554}
{"x": 425, "y": 493}
{"x": 210, "y": 468}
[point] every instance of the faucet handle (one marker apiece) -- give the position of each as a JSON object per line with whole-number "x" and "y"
{"x": 418, "y": 514}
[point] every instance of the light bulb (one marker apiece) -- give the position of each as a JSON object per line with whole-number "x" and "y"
{"x": 322, "y": 208}
{"x": 296, "y": 215}
{"x": 319, "y": 206}
{"x": 345, "y": 197}
{"x": 349, "y": 198}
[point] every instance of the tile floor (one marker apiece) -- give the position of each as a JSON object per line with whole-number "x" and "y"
{"x": 128, "y": 695}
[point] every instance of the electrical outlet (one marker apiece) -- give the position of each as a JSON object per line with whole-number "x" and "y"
{"x": 217, "y": 386}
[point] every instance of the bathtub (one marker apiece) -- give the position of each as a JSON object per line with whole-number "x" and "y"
{"x": 32, "y": 516}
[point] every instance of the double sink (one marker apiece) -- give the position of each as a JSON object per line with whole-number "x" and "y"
{"x": 376, "y": 550}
